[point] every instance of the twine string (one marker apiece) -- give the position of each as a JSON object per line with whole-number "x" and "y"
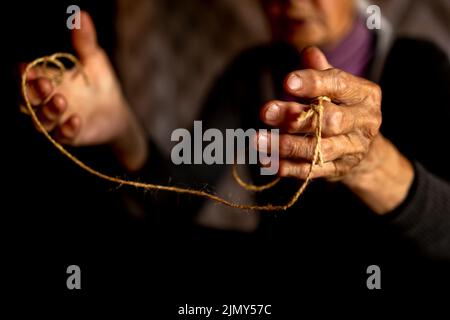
{"x": 316, "y": 109}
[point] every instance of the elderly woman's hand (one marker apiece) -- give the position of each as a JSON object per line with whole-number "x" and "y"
{"x": 353, "y": 149}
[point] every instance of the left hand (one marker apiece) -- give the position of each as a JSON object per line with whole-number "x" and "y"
{"x": 350, "y": 126}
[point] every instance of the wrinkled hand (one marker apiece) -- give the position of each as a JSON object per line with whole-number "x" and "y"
{"x": 81, "y": 114}
{"x": 353, "y": 149}
{"x": 350, "y": 125}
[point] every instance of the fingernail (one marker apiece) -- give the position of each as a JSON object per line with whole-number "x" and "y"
{"x": 273, "y": 112}
{"x": 294, "y": 82}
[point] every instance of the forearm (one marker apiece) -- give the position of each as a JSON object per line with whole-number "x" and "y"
{"x": 386, "y": 182}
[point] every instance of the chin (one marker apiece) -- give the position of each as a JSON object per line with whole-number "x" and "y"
{"x": 307, "y": 35}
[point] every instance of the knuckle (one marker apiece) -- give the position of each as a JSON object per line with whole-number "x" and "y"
{"x": 290, "y": 147}
{"x": 299, "y": 171}
{"x": 285, "y": 146}
{"x": 308, "y": 148}
{"x": 334, "y": 122}
{"x": 327, "y": 149}
{"x": 339, "y": 80}
{"x": 373, "y": 128}
{"x": 315, "y": 82}
{"x": 371, "y": 125}
{"x": 283, "y": 169}
{"x": 378, "y": 118}
{"x": 375, "y": 93}
{"x": 297, "y": 149}
{"x": 378, "y": 94}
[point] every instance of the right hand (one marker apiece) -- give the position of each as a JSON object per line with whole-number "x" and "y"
{"x": 80, "y": 114}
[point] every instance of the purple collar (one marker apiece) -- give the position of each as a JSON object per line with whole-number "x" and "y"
{"x": 354, "y": 53}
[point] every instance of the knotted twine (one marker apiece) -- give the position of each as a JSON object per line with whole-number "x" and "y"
{"x": 316, "y": 109}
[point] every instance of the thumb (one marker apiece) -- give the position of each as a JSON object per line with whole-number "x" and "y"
{"x": 84, "y": 40}
{"x": 314, "y": 58}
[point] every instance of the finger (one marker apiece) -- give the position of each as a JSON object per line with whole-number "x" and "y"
{"x": 50, "y": 114}
{"x": 264, "y": 142}
{"x": 285, "y": 115}
{"x": 281, "y": 113}
{"x": 334, "y": 170}
{"x": 32, "y": 74}
{"x": 301, "y": 170}
{"x": 314, "y": 58}
{"x": 296, "y": 147}
{"x": 38, "y": 90}
{"x": 84, "y": 40}
{"x": 68, "y": 131}
{"x": 340, "y": 86}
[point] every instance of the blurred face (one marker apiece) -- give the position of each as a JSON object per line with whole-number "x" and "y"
{"x": 310, "y": 22}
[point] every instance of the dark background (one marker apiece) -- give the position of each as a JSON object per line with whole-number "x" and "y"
{"x": 54, "y": 215}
